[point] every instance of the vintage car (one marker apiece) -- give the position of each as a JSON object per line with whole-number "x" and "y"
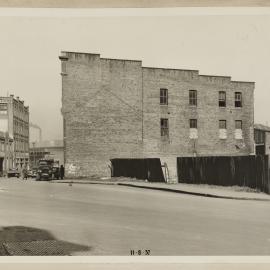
{"x": 13, "y": 173}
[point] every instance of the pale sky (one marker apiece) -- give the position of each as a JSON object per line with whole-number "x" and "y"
{"x": 230, "y": 45}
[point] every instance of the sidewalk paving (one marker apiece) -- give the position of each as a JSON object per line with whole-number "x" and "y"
{"x": 235, "y": 192}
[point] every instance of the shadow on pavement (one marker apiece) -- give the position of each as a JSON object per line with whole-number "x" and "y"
{"x": 27, "y": 241}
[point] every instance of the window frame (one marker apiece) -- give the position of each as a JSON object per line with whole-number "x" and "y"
{"x": 239, "y": 121}
{"x": 193, "y": 99}
{"x": 193, "y": 123}
{"x": 163, "y": 98}
{"x": 222, "y": 126}
{"x": 220, "y": 99}
{"x": 238, "y": 100}
{"x": 164, "y": 128}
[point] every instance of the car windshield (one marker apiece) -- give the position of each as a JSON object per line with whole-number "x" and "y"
{"x": 44, "y": 167}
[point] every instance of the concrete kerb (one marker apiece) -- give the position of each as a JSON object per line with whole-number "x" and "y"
{"x": 163, "y": 189}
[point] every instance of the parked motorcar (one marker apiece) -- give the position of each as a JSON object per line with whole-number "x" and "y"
{"x": 31, "y": 173}
{"x": 13, "y": 173}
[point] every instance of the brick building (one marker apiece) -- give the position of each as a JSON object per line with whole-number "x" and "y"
{"x": 119, "y": 109}
{"x": 14, "y": 119}
{"x": 6, "y": 152}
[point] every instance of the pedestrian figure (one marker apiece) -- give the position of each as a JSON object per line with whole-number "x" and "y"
{"x": 62, "y": 172}
{"x": 24, "y": 173}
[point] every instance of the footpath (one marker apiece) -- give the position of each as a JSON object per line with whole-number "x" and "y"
{"x": 234, "y": 192}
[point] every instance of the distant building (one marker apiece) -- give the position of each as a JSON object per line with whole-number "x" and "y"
{"x": 46, "y": 149}
{"x": 6, "y": 152}
{"x": 14, "y": 119}
{"x": 35, "y": 133}
{"x": 262, "y": 139}
{"x": 114, "y": 108}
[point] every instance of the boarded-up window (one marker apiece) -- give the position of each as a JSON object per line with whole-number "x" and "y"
{"x": 238, "y": 130}
{"x": 238, "y": 124}
{"x": 222, "y": 124}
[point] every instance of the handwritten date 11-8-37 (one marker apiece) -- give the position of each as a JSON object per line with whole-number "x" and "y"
{"x": 139, "y": 252}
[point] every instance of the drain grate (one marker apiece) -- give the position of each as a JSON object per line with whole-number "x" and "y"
{"x": 40, "y": 248}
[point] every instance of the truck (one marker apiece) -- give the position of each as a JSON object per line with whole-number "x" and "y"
{"x": 48, "y": 169}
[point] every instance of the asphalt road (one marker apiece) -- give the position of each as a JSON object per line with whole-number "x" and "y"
{"x": 113, "y": 220}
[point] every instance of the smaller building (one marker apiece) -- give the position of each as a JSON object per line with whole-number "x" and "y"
{"x": 14, "y": 119}
{"x": 46, "y": 149}
{"x": 6, "y": 153}
{"x": 262, "y": 139}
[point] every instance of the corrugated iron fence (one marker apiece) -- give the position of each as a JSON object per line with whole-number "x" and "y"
{"x": 249, "y": 171}
{"x": 147, "y": 168}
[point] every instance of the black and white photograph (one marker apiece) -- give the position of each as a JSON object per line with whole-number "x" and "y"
{"x": 135, "y": 132}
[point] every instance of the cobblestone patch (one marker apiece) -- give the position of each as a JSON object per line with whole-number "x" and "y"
{"x": 42, "y": 248}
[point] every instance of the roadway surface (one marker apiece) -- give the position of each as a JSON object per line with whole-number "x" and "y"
{"x": 112, "y": 220}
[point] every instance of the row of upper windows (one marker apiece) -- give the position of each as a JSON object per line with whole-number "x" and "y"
{"x": 193, "y": 98}
{"x": 193, "y": 123}
{"x": 164, "y": 125}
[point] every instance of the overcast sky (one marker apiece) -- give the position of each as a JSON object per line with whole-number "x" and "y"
{"x": 230, "y": 45}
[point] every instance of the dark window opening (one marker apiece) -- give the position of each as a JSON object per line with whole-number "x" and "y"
{"x": 222, "y": 99}
{"x": 163, "y": 96}
{"x": 193, "y": 123}
{"x": 193, "y": 97}
{"x": 238, "y": 99}
{"x": 164, "y": 127}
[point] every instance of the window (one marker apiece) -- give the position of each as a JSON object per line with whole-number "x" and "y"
{"x": 222, "y": 124}
{"x": 222, "y": 99}
{"x": 238, "y": 130}
{"x": 163, "y": 96}
{"x": 193, "y": 97}
{"x": 259, "y": 136}
{"x": 164, "y": 127}
{"x": 193, "y": 132}
{"x": 238, "y": 124}
{"x": 3, "y": 108}
{"x": 193, "y": 123}
{"x": 238, "y": 99}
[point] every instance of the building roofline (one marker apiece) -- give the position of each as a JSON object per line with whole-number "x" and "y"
{"x": 115, "y": 59}
{"x": 215, "y": 76}
{"x": 262, "y": 127}
{"x": 177, "y": 69}
{"x": 63, "y": 57}
{"x": 80, "y": 52}
{"x": 242, "y": 82}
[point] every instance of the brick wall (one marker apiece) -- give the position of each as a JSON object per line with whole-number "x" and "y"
{"x": 104, "y": 116}
{"x": 102, "y": 108}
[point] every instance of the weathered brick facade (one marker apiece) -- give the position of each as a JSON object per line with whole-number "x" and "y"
{"x": 111, "y": 109}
